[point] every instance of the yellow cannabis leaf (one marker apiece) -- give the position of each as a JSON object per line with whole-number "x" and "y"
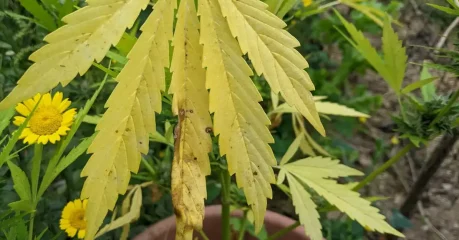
{"x": 305, "y": 208}
{"x": 272, "y": 52}
{"x": 133, "y": 201}
{"x": 329, "y": 108}
{"x": 239, "y": 120}
{"x": 315, "y": 172}
{"x": 300, "y": 131}
{"x": 123, "y": 131}
{"x": 191, "y": 103}
{"x": 71, "y": 49}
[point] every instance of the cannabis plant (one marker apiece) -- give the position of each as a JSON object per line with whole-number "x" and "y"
{"x": 213, "y": 94}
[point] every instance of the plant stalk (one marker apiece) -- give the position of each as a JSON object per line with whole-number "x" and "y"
{"x": 225, "y": 181}
{"x": 427, "y": 172}
{"x": 402, "y": 108}
{"x": 243, "y": 226}
{"x": 384, "y": 167}
{"x": 32, "y": 218}
{"x": 203, "y": 234}
{"x": 36, "y": 164}
{"x": 48, "y": 177}
{"x": 330, "y": 4}
{"x": 35, "y": 176}
{"x": 284, "y": 231}
{"x": 149, "y": 168}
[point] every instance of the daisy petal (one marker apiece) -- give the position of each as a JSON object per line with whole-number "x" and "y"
{"x": 81, "y": 234}
{"x": 85, "y": 203}
{"x": 68, "y": 210}
{"x": 30, "y": 104}
{"x": 22, "y": 109}
{"x": 57, "y": 99}
{"x": 64, "y": 105}
{"x": 18, "y": 120}
{"x": 31, "y": 138}
{"x": 63, "y": 130}
{"x": 64, "y": 221}
{"x": 37, "y": 97}
{"x": 52, "y": 138}
{"x": 55, "y": 136}
{"x": 77, "y": 203}
{"x": 46, "y": 99}
{"x": 71, "y": 231}
{"x": 67, "y": 117}
{"x": 64, "y": 224}
{"x": 43, "y": 139}
{"x": 26, "y": 132}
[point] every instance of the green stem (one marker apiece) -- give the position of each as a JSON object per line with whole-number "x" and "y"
{"x": 50, "y": 173}
{"x": 402, "y": 109}
{"x": 149, "y": 168}
{"x": 203, "y": 234}
{"x": 330, "y": 4}
{"x": 36, "y": 165}
{"x": 243, "y": 226}
{"x": 225, "y": 181}
{"x": 284, "y": 231}
{"x": 47, "y": 179}
{"x": 384, "y": 167}
{"x": 32, "y": 217}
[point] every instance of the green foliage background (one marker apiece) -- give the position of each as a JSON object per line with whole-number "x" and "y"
{"x": 21, "y": 33}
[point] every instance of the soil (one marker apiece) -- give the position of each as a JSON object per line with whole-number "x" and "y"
{"x": 440, "y": 201}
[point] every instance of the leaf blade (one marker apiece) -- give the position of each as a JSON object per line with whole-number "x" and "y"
{"x": 5, "y": 116}
{"x": 305, "y": 208}
{"x": 418, "y": 84}
{"x": 72, "y": 48}
{"x": 123, "y": 131}
{"x": 42, "y": 16}
{"x": 338, "y": 109}
{"x": 365, "y": 48}
{"x": 271, "y": 50}
{"x": 21, "y": 182}
{"x": 192, "y": 143}
{"x": 395, "y": 57}
{"x": 239, "y": 119}
{"x": 428, "y": 90}
{"x": 130, "y": 216}
{"x": 316, "y": 173}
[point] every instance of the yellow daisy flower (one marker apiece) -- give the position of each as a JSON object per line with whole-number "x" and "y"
{"x": 307, "y": 2}
{"x": 73, "y": 218}
{"x": 49, "y": 122}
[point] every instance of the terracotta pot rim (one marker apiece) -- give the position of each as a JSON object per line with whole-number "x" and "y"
{"x": 165, "y": 229}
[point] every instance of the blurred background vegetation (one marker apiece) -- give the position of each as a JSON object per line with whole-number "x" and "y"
{"x": 336, "y": 68}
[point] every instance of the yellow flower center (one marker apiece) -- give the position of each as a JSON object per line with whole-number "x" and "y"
{"x": 77, "y": 220}
{"x": 45, "y": 121}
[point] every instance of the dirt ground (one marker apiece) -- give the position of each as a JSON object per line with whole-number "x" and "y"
{"x": 440, "y": 202}
{"x": 437, "y": 217}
